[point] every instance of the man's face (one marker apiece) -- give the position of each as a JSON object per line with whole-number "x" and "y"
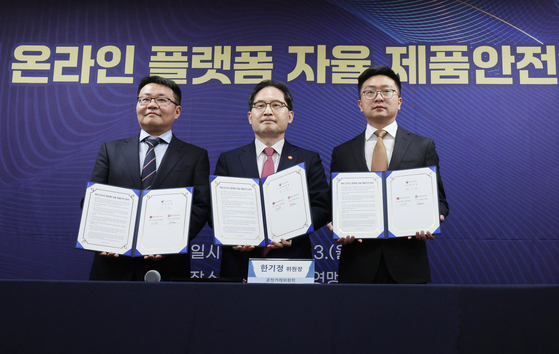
{"x": 380, "y": 111}
{"x": 269, "y": 123}
{"x": 153, "y": 118}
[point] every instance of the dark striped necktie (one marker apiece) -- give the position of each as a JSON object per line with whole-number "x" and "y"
{"x": 148, "y": 171}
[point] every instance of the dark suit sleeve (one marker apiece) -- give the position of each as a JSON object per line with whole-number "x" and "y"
{"x": 319, "y": 193}
{"x": 101, "y": 168}
{"x": 221, "y": 166}
{"x": 201, "y": 197}
{"x": 432, "y": 159}
{"x": 112, "y": 166}
{"x": 220, "y": 170}
{"x": 334, "y": 165}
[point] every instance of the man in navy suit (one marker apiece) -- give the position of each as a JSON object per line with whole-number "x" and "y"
{"x": 270, "y": 112}
{"x": 399, "y": 260}
{"x": 178, "y": 164}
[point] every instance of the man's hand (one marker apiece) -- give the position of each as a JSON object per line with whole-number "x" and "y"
{"x": 343, "y": 240}
{"x": 282, "y": 244}
{"x": 109, "y": 254}
{"x": 156, "y": 257}
{"x": 245, "y": 248}
{"x": 348, "y": 240}
{"x": 424, "y": 236}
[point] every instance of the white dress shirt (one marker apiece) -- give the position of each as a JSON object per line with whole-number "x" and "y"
{"x": 160, "y": 149}
{"x": 261, "y": 156}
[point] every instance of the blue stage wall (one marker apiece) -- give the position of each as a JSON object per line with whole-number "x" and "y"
{"x": 479, "y": 77}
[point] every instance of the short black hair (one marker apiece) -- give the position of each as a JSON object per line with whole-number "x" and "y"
{"x": 279, "y": 85}
{"x": 153, "y": 79}
{"x": 378, "y": 70}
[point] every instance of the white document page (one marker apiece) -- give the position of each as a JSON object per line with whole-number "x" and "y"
{"x": 412, "y": 201}
{"x": 164, "y": 221}
{"x": 357, "y": 205}
{"x": 286, "y": 201}
{"x": 108, "y": 219}
{"x": 237, "y": 211}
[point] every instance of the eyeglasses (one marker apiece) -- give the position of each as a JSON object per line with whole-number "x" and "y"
{"x": 372, "y": 94}
{"x": 274, "y": 105}
{"x": 160, "y": 101}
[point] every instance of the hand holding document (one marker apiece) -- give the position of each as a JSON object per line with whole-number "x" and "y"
{"x": 255, "y": 212}
{"x": 385, "y": 204}
{"x": 131, "y": 222}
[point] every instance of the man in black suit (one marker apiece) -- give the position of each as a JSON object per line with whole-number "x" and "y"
{"x": 398, "y": 260}
{"x": 270, "y": 112}
{"x": 178, "y": 164}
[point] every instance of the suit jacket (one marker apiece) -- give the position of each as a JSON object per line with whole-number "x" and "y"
{"x": 406, "y": 260}
{"x": 184, "y": 165}
{"x": 241, "y": 162}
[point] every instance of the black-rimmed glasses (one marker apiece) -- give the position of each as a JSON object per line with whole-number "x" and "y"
{"x": 160, "y": 101}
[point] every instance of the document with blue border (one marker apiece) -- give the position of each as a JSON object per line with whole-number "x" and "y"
{"x": 134, "y": 222}
{"x": 385, "y": 204}
{"x": 252, "y": 211}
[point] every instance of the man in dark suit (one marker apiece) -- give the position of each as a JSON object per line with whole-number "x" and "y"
{"x": 398, "y": 260}
{"x": 178, "y": 164}
{"x": 270, "y": 112}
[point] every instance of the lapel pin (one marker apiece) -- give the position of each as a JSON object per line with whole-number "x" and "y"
{"x": 290, "y": 157}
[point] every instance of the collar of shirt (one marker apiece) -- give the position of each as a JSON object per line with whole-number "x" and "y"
{"x": 160, "y": 149}
{"x": 166, "y": 137}
{"x": 261, "y": 155}
{"x": 390, "y": 128}
{"x": 371, "y": 140}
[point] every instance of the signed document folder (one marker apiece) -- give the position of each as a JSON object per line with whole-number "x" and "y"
{"x": 385, "y": 204}
{"x": 249, "y": 211}
{"x": 135, "y": 222}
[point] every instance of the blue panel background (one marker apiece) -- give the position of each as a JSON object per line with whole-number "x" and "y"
{"x": 497, "y": 143}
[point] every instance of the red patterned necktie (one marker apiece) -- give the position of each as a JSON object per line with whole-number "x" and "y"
{"x": 268, "y": 167}
{"x": 380, "y": 161}
{"x": 267, "y": 170}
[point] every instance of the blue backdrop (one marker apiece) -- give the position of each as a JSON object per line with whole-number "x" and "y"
{"x": 479, "y": 76}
